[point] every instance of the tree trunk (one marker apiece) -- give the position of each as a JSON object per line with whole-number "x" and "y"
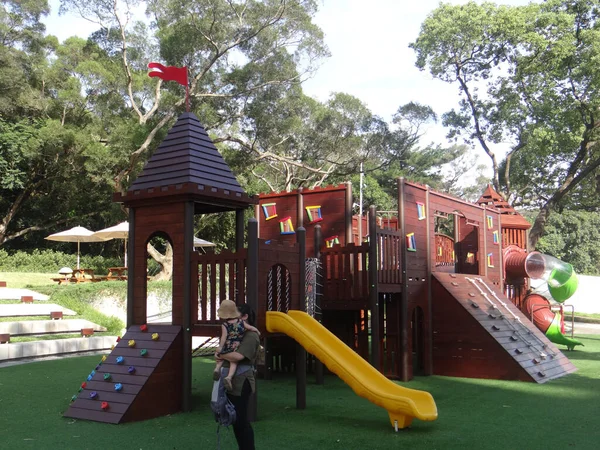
{"x": 165, "y": 261}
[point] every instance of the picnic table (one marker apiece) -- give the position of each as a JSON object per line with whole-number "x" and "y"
{"x": 117, "y": 273}
{"x": 79, "y": 276}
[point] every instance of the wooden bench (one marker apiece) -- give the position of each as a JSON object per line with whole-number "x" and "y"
{"x": 26, "y": 299}
{"x": 2, "y": 284}
{"x": 4, "y": 338}
{"x": 87, "y": 332}
{"x": 56, "y": 315}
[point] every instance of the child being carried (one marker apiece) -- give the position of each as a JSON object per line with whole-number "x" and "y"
{"x": 232, "y": 332}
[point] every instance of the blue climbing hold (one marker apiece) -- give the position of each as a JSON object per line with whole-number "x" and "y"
{"x": 118, "y": 387}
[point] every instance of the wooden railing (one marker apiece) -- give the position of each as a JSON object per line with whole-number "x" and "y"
{"x": 344, "y": 273}
{"x": 219, "y": 277}
{"x": 389, "y": 248}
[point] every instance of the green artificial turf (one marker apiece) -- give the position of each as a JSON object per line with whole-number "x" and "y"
{"x": 28, "y": 280}
{"x": 473, "y": 414}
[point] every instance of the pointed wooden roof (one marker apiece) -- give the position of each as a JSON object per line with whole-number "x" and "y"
{"x": 509, "y": 218}
{"x": 188, "y": 163}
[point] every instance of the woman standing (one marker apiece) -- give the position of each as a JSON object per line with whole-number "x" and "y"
{"x": 243, "y": 382}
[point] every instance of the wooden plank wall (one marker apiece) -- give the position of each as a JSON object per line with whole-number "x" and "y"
{"x": 168, "y": 218}
{"x": 416, "y": 282}
{"x": 332, "y": 200}
{"x": 269, "y": 256}
{"x": 344, "y": 286}
{"x": 153, "y": 390}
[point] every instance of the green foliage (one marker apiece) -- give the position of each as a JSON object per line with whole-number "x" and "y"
{"x": 527, "y": 78}
{"x": 49, "y": 261}
{"x": 574, "y": 237}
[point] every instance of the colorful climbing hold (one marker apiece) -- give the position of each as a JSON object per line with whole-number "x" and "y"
{"x": 98, "y": 366}
{"x": 80, "y": 389}
{"x": 155, "y": 336}
{"x": 144, "y": 328}
{"x": 74, "y": 398}
{"x": 107, "y": 376}
{"x": 89, "y": 377}
{"x": 112, "y": 347}
{"x": 118, "y": 387}
{"x": 83, "y": 385}
{"x": 118, "y": 338}
{"x": 103, "y": 358}
{"x": 131, "y": 369}
{"x": 120, "y": 360}
{"x": 93, "y": 395}
{"x": 131, "y": 343}
{"x": 93, "y": 372}
{"x": 143, "y": 352}
{"x": 104, "y": 405}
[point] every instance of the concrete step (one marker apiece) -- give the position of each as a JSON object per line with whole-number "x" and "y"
{"x": 29, "y": 327}
{"x": 32, "y": 309}
{"x": 35, "y": 349}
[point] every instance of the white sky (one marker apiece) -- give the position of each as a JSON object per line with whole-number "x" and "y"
{"x": 370, "y": 58}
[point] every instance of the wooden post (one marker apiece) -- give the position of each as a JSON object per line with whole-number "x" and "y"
{"x": 299, "y": 209}
{"x": 188, "y": 245}
{"x": 131, "y": 256}
{"x": 374, "y": 289}
{"x": 300, "y": 352}
{"x": 252, "y": 271}
{"x": 427, "y": 323}
{"x": 319, "y": 375}
{"x": 404, "y": 350}
{"x": 239, "y": 229}
{"x": 239, "y": 245}
{"x": 348, "y": 214}
{"x": 252, "y": 298}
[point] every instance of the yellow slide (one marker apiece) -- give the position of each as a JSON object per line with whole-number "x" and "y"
{"x": 402, "y": 404}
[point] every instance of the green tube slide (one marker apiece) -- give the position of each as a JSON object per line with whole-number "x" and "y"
{"x": 562, "y": 283}
{"x": 553, "y": 333}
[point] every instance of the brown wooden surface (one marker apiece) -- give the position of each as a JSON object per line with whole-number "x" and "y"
{"x": 4, "y": 338}
{"x": 473, "y": 339}
{"x": 155, "y": 389}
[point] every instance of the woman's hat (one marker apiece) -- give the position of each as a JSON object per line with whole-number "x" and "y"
{"x": 228, "y": 310}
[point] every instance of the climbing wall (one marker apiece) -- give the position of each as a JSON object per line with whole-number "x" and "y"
{"x": 479, "y": 333}
{"x": 140, "y": 379}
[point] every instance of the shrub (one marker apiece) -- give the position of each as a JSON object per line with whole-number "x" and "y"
{"x": 49, "y": 261}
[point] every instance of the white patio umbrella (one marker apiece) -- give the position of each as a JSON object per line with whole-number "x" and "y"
{"x": 75, "y": 234}
{"x": 202, "y": 243}
{"x": 120, "y": 231}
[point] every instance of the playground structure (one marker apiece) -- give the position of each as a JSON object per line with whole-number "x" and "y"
{"x": 425, "y": 294}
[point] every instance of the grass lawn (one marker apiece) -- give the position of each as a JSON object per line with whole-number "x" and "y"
{"x": 473, "y": 414}
{"x": 27, "y": 280}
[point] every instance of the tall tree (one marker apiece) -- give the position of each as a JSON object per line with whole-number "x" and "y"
{"x": 234, "y": 51}
{"x": 527, "y": 78}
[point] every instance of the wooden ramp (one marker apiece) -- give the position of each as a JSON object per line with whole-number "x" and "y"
{"x": 479, "y": 333}
{"x": 152, "y": 389}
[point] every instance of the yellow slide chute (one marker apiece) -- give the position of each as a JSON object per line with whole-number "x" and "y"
{"x": 402, "y": 404}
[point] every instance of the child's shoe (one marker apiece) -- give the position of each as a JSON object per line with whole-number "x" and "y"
{"x": 216, "y": 375}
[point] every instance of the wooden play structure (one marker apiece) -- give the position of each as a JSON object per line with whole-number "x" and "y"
{"x": 422, "y": 292}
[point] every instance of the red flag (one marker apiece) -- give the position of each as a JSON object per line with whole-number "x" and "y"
{"x": 169, "y": 73}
